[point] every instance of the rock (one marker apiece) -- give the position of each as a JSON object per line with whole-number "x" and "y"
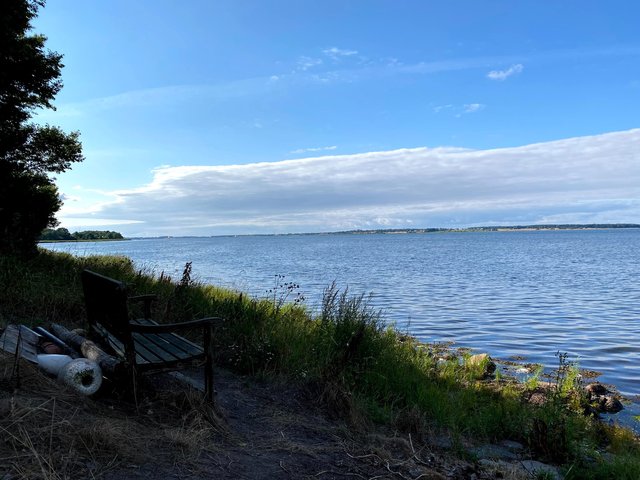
{"x": 442, "y": 441}
{"x": 610, "y": 404}
{"x": 511, "y": 445}
{"x": 482, "y": 359}
{"x": 503, "y": 469}
{"x": 595, "y": 389}
{"x": 538, "y": 399}
{"x": 602, "y": 400}
{"x": 494, "y": 452}
{"x": 536, "y": 469}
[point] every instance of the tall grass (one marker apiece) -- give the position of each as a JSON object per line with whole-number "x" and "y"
{"x": 360, "y": 368}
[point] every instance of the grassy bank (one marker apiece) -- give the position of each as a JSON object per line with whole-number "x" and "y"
{"x": 360, "y": 370}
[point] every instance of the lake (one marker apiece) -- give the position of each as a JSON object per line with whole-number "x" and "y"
{"x": 511, "y": 294}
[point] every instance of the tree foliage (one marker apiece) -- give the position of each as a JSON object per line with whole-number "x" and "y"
{"x": 29, "y": 153}
{"x": 63, "y": 234}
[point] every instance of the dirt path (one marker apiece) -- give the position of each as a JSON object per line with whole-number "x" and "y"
{"x": 272, "y": 431}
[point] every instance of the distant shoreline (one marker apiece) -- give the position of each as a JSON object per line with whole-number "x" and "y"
{"x": 496, "y": 228}
{"x": 404, "y": 231}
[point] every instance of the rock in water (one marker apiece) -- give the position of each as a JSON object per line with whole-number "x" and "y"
{"x": 482, "y": 359}
{"x": 611, "y": 405}
{"x": 594, "y": 389}
{"x": 602, "y": 399}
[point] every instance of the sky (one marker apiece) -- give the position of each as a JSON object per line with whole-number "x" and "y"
{"x": 242, "y": 117}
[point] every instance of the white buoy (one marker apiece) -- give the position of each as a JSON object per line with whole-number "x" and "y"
{"x": 52, "y": 363}
{"x": 83, "y": 375}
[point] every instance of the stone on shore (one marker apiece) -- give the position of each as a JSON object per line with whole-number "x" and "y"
{"x": 482, "y": 360}
{"x": 602, "y": 399}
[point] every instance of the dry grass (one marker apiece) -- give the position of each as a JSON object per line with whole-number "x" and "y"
{"x": 52, "y": 433}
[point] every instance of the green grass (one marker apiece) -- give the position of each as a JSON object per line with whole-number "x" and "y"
{"x": 361, "y": 369}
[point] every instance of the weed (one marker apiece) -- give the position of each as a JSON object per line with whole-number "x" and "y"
{"x": 532, "y": 382}
{"x": 284, "y": 292}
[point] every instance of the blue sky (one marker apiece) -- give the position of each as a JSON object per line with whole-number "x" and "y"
{"x": 204, "y": 118}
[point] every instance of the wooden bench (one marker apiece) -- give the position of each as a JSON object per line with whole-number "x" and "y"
{"x": 143, "y": 344}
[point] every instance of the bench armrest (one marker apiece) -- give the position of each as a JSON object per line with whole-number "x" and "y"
{"x": 172, "y": 327}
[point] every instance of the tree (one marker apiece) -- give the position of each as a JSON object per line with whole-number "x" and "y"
{"x": 29, "y": 153}
{"x": 57, "y": 234}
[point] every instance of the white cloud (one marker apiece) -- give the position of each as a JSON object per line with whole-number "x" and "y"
{"x": 579, "y": 178}
{"x": 86, "y": 222}
{"x": 504, "y": 74}
{"x": 440, "y": 108}
{"x": 459, "y": 110}
{"x": 473, "y": 107}
{"x": 305, "y": 63}
{"x": 313, "y": 149}
{"x": 65, "y": 197}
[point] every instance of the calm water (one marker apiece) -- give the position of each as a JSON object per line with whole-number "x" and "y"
{"x": 506, "y": 293}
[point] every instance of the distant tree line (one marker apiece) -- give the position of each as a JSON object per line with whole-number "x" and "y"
{"x": 63, "y": 234}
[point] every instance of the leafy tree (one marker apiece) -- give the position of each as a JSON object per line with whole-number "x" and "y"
{"x": 98, "y": 235}
{"x": 29, "y": 153}
{"x": 57, "y": 234}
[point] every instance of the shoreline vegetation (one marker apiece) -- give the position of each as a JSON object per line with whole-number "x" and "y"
{"x": 50, "y": 235}
{"x": 369, "y": 375}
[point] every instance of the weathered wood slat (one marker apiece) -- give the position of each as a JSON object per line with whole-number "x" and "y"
{"x": 172, "y": 344}
{"x": 115, "y": 344}
{"x": 155, "y": 354}
{"x": 164, "y": 349}
{"x": 20, "y": 340}
{"x": 174, "y": 340}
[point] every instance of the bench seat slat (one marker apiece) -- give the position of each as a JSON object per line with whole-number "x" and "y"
{"x": 163, "y": 353}
{"x": 116, "y": 344}
{"x": 189, "y": 348}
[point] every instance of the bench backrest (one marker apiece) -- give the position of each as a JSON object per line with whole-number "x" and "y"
{"x": 106, "y": 302}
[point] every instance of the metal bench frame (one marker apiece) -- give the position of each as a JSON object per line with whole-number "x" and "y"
{"x": 143, "y": 344}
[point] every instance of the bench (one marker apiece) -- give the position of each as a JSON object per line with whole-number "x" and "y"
{"x": 143, "y": 344}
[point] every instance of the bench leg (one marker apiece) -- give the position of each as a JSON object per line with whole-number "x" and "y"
{"x": 208, "y": 366}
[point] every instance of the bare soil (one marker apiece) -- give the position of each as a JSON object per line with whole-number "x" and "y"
{"x": 259, "y": 429}
{"x": 270, "y": 430}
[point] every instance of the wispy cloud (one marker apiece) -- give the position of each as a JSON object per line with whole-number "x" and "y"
{"x": 309, "y": 70}
{"x": 580, "y": 178}
{"x": 337, "y": 53}
{"x": 313, "y": 149}
{"x": 167, "y": 96}
{"x": 473, "y": 107}
{"x": 504, "y": 74}
{"x": 305, "y": 63}
{"x": 459, "y": 110}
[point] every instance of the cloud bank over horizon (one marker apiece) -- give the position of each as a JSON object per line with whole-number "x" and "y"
{"x": 594, "y": 179}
